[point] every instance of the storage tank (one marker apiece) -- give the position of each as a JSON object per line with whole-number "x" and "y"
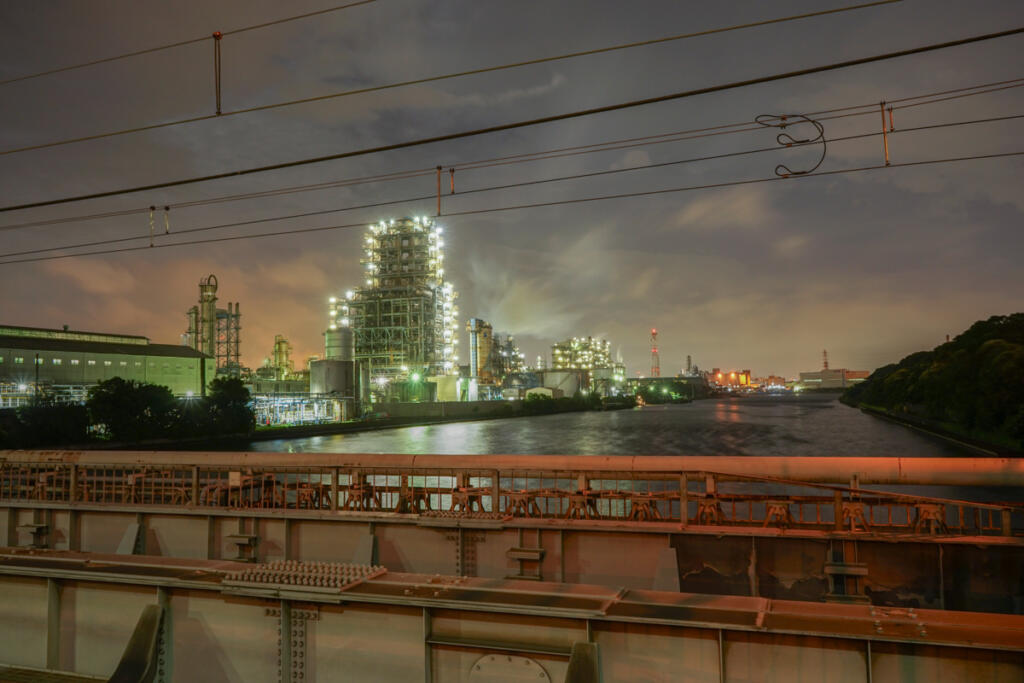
{"x": 339, "y": 344}
{"x": 335, "y": 377}
{"x": 568, "y": 381}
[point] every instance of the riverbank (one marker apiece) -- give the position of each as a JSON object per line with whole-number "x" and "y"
{"x": 415, "y": 415}
{"x": 943, "y": 431}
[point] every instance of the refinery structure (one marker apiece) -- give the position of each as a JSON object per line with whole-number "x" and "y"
{"x": 213, "y": 331}
{"x": 403, "y": 316}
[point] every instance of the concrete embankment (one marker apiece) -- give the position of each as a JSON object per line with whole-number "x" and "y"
{"x": 934, "y": 429}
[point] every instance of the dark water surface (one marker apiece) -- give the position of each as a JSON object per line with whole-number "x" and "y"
{"x": 796, "y": 426}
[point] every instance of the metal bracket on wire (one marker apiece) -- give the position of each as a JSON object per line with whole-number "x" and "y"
{"x": 783, "y": 121}
{"x": 217, "y": 35}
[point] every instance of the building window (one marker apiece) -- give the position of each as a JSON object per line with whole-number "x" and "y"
{"x": 74, "y": 361}
{"x": 138, "y": 363}
{"x": 124, "y": 364}
{"x": 56, "y": 361}
{"x": 91, "y": 362}
{"x": 39, "y": 361}
{"x": 107, "y": 363}
{"x": 18, "y": 360}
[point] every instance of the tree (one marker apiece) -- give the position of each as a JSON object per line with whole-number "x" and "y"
{"x": 972, "y": 383}
{"x": 132, "y": 411}
{"x": 228, "y": 400}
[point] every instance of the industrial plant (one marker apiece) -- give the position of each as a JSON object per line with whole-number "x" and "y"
{"x": 390, "y": 347}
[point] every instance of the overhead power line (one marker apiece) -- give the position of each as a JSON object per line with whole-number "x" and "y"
{"x": 507, "y": 186}
{"x": 182, "y": 43}
{"x": 870, "y": 109}
{"x": 432, "y": 79}
{"x": 528, "y": 122}
{"x": 536, "y": 205}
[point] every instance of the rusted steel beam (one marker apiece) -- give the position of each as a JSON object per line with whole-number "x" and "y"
{"x": 596, "y": 603}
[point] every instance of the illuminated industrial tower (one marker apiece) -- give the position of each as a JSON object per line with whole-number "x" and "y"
{"x": 403, "y": 318}
{"x": 215, "y": 331}
{"x": 655, "y": 361}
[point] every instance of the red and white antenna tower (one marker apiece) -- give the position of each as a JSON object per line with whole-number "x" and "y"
{"x": 824, "y": 358}
{"x": 655, "y": 362}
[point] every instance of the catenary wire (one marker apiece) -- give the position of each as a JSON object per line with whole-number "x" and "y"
{"x": 535, "y": 205}
{"x": 542, "y": 181}
{"x": 419, "y": 81}
{"x": 610, "y": 145}
{"x": 530, "y": 122}
{"x": 181, "y": 43}
{"x": 432, "y": 79}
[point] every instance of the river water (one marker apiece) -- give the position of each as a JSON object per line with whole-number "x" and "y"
{"x": 796, "y": 426}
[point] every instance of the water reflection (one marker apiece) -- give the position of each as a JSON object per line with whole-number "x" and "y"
{"x": 804, "y": 426}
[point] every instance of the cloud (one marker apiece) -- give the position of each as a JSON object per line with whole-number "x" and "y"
{"x": 533, "y": 306}
{"x": 791, "y": 245}
{"x": 742, "y": 207}
{"x": 632, "y": 159}
{"x": 93, "y": 276}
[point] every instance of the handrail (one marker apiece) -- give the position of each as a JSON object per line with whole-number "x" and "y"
{"x": 537, "y": 492}
{"x": 882, "y": 470}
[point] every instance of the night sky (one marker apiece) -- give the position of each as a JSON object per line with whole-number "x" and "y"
{"x": 871, "y": 266}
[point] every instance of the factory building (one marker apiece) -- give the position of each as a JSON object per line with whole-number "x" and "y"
{"x": 494, "y": 365}
{"x": 509, "y": 358}
{"x": 215, "y": 331}
{"x": 729, "y": 379}
{"x": 278, "y": 365}
{"x": 66, "y": 363}
{"x": 403, "y": 316}
{"x": 581, "y": 353}
{"x": 583, "y": 364}
{"x": 830, "y": 378}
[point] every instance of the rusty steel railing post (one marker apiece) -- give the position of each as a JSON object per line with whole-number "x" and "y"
{"x": 495, "y": 491}
{"x": 335, "y": 473}
{"x": 73, "y": 493}
{"x": 684, "y": 503}
{"x": 838, "y": 507}
{"x": 1007, "y": 522}
{"x": 195, "y": 485}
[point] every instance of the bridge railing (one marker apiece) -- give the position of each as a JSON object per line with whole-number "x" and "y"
{"x": 687, "y": 498}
